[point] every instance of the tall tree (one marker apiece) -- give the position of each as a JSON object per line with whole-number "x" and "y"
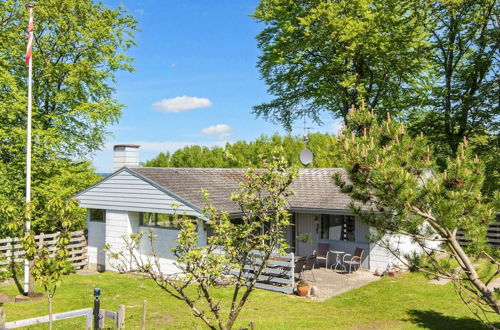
{"x": 465, "y": 55}
{"x": 79, "y": 46}
{"x": 320, "y": 55}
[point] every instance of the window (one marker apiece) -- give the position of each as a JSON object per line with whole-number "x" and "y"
{"x": 97, "y": 215}
{"x": 337, "y": 227}
{"x": 160, "y": 220}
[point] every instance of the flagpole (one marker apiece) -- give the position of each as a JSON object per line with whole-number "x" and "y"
{"x": 28, "y": 155}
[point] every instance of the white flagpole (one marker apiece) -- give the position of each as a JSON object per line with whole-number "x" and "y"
{"x": 28, "y": 163}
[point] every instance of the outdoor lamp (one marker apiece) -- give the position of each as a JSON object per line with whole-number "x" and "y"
{"x": 97, "y": 292}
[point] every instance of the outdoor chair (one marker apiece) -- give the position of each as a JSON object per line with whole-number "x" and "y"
{"x": 322, "y": 252}
{"x": 355, "y": 260}
{"x": 309, "y": 265}
{"x": 299, "y": 266}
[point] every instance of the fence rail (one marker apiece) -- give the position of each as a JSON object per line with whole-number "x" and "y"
{"x": 11, "y": 250}
{"x": 493, "y": 234}
{"x": 278, "y": 275}
{"x": 117, "y": 317}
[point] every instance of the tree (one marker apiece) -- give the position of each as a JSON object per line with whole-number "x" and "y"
{"x": 79, "y": 47}
{"x": 396, "y": 176}
{"x": 464, "y": 70}
{"x": 48, "y": 264}
{"x": 232, "y": 249}
{"x": 320, "y": 55}
{"x": 242, "y": 154}
{"x": 464, "y": 59}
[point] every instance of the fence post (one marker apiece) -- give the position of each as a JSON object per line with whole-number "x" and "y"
{"x": 88, "y": 319}
{"x": 2, "y": 319}
{"x": 143, "y": 323}
{"x": 121, "y": 317}
{"x": 292, "y": 270}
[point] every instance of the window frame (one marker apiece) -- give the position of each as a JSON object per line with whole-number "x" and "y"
{"x": 92, "y": 219}
{"x": 156, "y": 220}
{"x": 344, "y": 224}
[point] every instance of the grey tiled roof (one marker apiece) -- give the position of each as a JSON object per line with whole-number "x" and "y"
{"x": 314, "y": 188}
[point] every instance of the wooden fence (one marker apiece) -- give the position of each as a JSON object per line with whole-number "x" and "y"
{"x": 11, "y": 250}
{"x": 117, "y": 317}
{"x": 493, "y": 234}
{"x": 277, "y": 276}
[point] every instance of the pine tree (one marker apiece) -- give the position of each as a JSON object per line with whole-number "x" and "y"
{"x": 395, "y": 176}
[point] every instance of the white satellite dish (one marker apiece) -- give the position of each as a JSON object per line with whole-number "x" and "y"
{"x": 306, "y": 157}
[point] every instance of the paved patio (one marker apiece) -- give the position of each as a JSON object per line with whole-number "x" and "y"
{"x": 331, "y": 283}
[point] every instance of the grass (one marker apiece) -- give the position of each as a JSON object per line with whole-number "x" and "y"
{"x": 404, "y": 302}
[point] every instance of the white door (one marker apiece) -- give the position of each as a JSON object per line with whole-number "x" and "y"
{"x": 306, "y": 224}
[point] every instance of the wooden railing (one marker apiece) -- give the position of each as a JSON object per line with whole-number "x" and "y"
{"x": 11, "y": 250}
{"x": 493, "y": 234}
{"x": 277, "y": 276}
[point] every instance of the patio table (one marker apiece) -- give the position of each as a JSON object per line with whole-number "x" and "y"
{"x": 338, "y": 259}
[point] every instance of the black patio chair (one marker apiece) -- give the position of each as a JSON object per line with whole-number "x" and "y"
{"x": 309, "y": 265}
{"x": 299, "y": 265}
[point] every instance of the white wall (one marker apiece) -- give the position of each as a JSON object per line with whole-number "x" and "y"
{"x": 123, "y": 223}
{"x": 95, "y": 244}
{"x": 118, "y": 224}
{"x": 382, "y": 258}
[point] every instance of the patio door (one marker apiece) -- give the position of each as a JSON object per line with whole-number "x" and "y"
{"x": 306, "y": 224}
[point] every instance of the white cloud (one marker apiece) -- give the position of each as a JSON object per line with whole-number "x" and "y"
{"x": 181, "y": 103}
{"x": 216, "y": 129}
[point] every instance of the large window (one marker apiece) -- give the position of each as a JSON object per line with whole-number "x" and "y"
{"x": 97, "y": 215}
{"x": 337, "y": 227}
{"x": 160, "y": 220}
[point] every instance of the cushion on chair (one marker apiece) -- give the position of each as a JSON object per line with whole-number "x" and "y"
{"x": 351, "y": 262}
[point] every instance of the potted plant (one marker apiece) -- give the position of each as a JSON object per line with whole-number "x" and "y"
{"x": 302, "y": 287}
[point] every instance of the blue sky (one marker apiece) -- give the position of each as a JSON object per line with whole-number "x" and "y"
{"x": 195, "y": 81}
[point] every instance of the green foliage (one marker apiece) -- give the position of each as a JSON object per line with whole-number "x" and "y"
{"x": 463, "y": 60}
{"x": 396, "y": 177}
{"x": 320, "y": 55}
{"x": 242, "y": 154}
{"x": 49, "y": 265}
{"x": 433, "y": 62}
{"x": 79, "y": 47}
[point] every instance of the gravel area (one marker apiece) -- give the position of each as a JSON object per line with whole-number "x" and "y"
{"x": 331, "y": 283}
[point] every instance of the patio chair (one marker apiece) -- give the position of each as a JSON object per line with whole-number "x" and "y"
{"x": 309, "y": 265}
{"x": 355, "y": 259}
{"x": 322, "y": 252}
{"x": 299, "y": 266}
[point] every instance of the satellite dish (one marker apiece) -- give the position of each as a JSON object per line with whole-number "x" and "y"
{"x": 306, "y": 157}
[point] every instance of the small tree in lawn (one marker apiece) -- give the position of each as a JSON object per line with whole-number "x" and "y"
{"x": 232, "y": 249}
{"x": 49, "y": 265}
{"x": 395, "y": 176}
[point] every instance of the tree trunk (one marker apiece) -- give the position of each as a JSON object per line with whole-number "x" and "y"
{"x": 50, "y": 311}
{"x": 487, "y": 295}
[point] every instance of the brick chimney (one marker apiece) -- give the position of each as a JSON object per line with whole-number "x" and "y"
{"x": 125, "y": 155}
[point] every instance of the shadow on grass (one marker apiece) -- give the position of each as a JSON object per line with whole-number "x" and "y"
{"x": 436, "y": 321}
{"x": 15, "y": 276}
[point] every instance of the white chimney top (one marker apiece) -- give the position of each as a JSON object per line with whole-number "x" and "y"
{"x": 125, "y": 155}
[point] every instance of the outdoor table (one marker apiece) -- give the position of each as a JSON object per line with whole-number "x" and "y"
{"x": 338, "y": 260}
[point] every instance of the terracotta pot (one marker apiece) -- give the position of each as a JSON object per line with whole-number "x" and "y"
{"x": 302, "y": 290}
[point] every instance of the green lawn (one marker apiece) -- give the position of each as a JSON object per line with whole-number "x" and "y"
{"x": 405, "y": 302}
